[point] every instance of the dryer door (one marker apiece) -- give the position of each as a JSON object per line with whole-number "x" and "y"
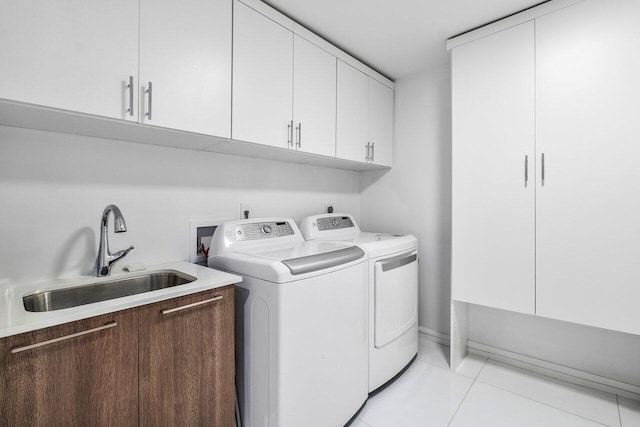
{"x": 395, "y": 296}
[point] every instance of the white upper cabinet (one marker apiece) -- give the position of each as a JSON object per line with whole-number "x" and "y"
{"x": 380, "y": 123}
{"x": 185, "y": 52}
{"x": 314, "y": 98}
{"x": 215, "y": 71}
{"x": 352, "y": 134}
{"x": 493, "y": 237}
{"x": 262, "y": 79}
{"x": 364, "y": 118}
{"x": 284, "y": 87}
{"x": 73, "y": 55}
{"x": 588, "y": 128}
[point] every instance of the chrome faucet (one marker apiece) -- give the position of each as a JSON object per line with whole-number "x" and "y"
{"x": 105, "y": 258}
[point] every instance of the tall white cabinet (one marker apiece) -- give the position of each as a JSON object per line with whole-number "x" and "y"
{"x": 493, "y": 236}
{"x": 546, "y": 204}
{"x": 588, "y": 128}
{"x": 75, "y": 56}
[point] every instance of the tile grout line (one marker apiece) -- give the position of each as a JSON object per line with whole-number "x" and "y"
{"x": 543, "y": 403}
{"x": 467, "y": 393}
{"x": 437, "y": 366}
{"x": 364, "y": 422}
{"x": 448, "y": 369}
{"x": 619, "y": 414}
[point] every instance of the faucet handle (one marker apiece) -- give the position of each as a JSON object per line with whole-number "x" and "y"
{"x": 113, "y": 258}
{"x": 122, "y": 253}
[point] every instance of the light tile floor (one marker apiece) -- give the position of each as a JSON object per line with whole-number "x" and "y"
{"x": 488, "y": 393}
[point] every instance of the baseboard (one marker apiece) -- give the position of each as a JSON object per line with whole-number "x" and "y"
{"x": 435, "y": 336}
{"x": 553, "y": 370}
{"x": 542, "y": 367}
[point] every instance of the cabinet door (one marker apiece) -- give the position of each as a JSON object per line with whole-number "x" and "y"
{"x": 493, "y": 142}
{"x": 314, "y": 98}
{"x": 185, "y": 51}
{"x": 588, "y": 208}
{"x": 262, "y": 79}
{"x": 85, "y": 380}
{"x": 352, "y": 114}
{"x": 381, "y": 122}
{"x": 187, "y": 360}
{"x": 74, "y": 55}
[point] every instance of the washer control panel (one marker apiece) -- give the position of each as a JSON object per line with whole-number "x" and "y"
{"x": 334, "y": 223}
{"x": 263, "y": 230}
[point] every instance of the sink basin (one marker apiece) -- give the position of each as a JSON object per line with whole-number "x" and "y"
{"x": 103, "y": 290}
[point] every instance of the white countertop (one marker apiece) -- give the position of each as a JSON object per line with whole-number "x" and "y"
{"x": 14, "y": 319}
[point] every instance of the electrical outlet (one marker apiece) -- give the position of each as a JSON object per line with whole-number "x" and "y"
{"x": 244, "y": 208}
{"x": 328, "y": 208}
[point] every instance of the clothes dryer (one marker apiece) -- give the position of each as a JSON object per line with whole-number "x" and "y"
{"x": 392, "y": 276}
{"x": 301, "y": 323}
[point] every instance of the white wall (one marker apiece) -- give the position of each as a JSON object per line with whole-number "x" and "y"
{"x": 415, "y": 195}
{"x": 53, "y": 188}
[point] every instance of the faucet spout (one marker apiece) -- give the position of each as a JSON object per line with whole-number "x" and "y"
{"x": 105, "y": 258}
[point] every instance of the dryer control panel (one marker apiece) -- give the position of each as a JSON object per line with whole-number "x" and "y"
{"x": 325, "y": 226}
{"x": 334, "y": 223}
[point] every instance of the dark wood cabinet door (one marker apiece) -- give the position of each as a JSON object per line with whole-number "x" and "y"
{"x": 187, "y": 373}
{"x": 82, "y": 373}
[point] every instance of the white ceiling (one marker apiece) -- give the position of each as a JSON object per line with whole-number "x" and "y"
{"x": 396, "y": 37}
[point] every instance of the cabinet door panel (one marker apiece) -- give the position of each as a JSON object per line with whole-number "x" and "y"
{"x": 185, "y": 50}
{"x": 314, "y": 98}
{"x": 262, "y": 78}
{"x": 352, "y": 113}
{"x": 381, "y": 122}
{"x": 187, "y": 361}
{"x": 74, "y": 55}
{"x": 88, "y": 380}
{"x": 493, "y": 210}
{"x": 588, "y": 129}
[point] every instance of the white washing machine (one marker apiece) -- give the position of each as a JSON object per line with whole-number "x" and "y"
{"x": 393, "y": 291}
{"x": 301, "y": 323}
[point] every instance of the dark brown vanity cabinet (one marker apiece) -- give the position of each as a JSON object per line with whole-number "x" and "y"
{"x": 166, "y": 363}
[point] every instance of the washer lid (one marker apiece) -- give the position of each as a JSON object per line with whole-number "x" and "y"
{"x": 323, "y": 261}
{"x": 287, "y": 262}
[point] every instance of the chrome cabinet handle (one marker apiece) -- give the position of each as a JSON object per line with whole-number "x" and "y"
{"x": 130, "y": 87}
{"x": 299, "y": 132}
{"x": 290, "y": 134}
{"x": 66, "y": 337}
{"x": 543, "y": 169}
{"x": 373, "y": 151}
{"x": 195, "y": 304}
{"x": 150, "y": 99}
{"x": 366, "y": 156}
{"x": 526, "y": 170}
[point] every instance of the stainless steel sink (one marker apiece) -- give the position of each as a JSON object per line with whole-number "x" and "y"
{"x": 103, "y": 290}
